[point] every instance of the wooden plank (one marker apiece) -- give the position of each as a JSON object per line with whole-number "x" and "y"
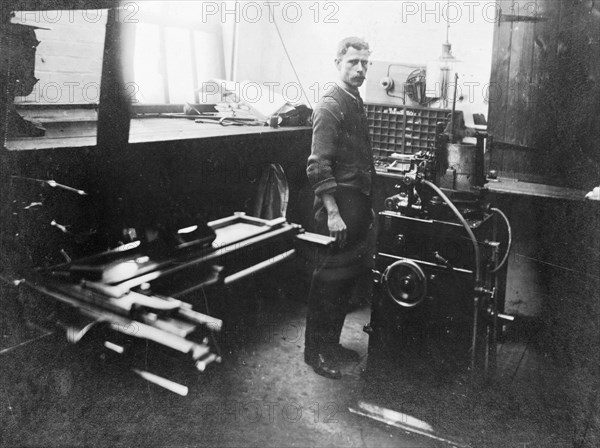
{"x": 538, "y": 190}
{"x": 544, "y": 41}
{"x": 554, "y": 100}
{"x": 5, "y": 95}
{"x": 526, "y": 87}
{"x": 584, "y": 129}
{"x": 36, "y": 143}
{"x": 513, "y": 54}
{"x": 569, "y": 98}
{"x": 518, "y": 52}
{"x": 165, "y": 129}
{"x": 546, "y": 78}
{"x": 499, "y": 79}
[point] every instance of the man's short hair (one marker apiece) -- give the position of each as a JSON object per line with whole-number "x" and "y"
{"x": 354, "y": 42}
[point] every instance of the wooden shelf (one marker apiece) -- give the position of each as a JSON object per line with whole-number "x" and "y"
{"x": 144, "y": 130}
{"x": 512, "y": 186}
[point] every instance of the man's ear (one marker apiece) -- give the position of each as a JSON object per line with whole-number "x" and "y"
{"x": 337, "y": 62}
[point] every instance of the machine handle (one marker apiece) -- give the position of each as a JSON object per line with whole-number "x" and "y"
{"x": 315, "y": 238}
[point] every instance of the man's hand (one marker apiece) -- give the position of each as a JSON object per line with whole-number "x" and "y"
{"x": 337, "y": 228}
{"x": 335, "y": 223}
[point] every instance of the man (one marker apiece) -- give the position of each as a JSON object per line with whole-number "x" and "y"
{"x": 340, "y": 170}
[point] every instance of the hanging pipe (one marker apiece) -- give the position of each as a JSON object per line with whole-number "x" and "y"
{"x": 462, "y": 220}
{"x": 509, "y": 245}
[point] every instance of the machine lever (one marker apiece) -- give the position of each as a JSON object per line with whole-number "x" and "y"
{"x": 440, "y": 259}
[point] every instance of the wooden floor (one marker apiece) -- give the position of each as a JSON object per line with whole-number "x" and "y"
{"x": 56, "y": 394}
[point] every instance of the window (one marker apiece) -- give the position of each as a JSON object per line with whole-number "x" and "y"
{"x": 54, "y": 67}
{"x": 176, "y": 50}
{"x": 55, "y": 58}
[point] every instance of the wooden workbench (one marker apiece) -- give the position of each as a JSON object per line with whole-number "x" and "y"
{"x": 514, "y": 186}
{"x": 144, "y": 130}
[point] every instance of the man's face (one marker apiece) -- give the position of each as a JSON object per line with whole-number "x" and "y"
{"x": 353, "y": 67}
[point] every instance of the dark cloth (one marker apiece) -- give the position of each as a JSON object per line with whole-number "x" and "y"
{"x": 328, "y": 303}
{"x": 341, "y": 163}
{"x": 341, "y": 153}
{"x": 339, "y": 272}
{"x": 273, "y": 193}
{"x": 356, "y": 257}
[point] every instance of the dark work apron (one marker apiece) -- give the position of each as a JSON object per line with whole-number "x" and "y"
{"x": 356, "y": 257}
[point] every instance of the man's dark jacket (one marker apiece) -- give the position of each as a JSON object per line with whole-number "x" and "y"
{"x": 341, "y": 163}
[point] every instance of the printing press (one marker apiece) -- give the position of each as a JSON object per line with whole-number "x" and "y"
{"x": 440, "y": 267}
{"x": 142, "y": 297}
